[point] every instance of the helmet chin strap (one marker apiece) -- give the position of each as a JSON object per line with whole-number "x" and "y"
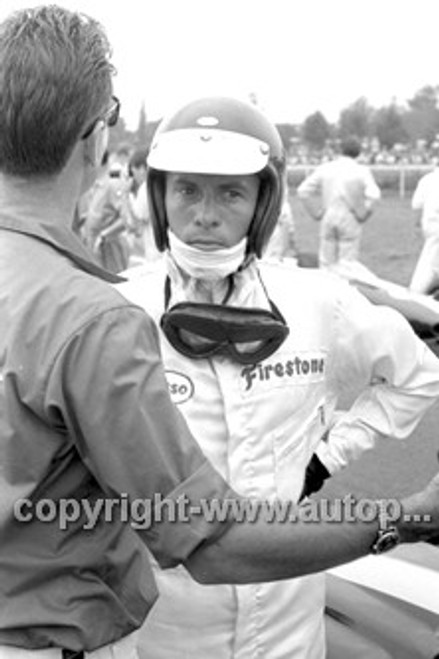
{"x": 208, "y": 265}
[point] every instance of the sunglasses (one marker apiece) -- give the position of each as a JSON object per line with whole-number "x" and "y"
{"x": 202, "y": 330}
{"x": 110, "y": 117}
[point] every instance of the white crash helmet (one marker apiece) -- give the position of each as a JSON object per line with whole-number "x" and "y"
{"x": 219, "y": 135}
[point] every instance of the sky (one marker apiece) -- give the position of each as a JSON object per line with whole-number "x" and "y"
{"x": 296, "y": 57}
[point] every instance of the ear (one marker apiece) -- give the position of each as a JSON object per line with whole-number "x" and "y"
{"x": 95, "y": 145}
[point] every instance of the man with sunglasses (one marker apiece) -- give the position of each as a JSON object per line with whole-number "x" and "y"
{"x": 79, "y": 456}
{"x": 96, "y": 464}
{"x": 258, "y": 354}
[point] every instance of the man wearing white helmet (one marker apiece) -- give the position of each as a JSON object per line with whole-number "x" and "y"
{"x": 257, "y": 355}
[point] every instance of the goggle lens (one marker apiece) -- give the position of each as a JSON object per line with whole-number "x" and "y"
{"x": 202, "y": 330}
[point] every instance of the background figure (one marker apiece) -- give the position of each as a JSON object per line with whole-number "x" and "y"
{"x": 425, "y": 202}
{"x": 137, "y": 219}
{"x": 118, "y": 161}
{"x": 282, "y": 243}
{"x": 143, "y": 247}
{"x": 107, "y": 216}
{"x": 341, "y": 194}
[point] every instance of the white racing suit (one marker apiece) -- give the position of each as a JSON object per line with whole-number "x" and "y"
{"x": 260, "y": 425}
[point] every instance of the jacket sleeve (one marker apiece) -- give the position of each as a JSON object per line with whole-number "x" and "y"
{"x": 392, "y": 378}
{"x": 108, "y": 386}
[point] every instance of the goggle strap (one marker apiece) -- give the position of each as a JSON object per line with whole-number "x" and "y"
{"x": 230, "y": 282}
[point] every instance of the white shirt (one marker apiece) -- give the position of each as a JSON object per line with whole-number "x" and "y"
{"x": 344, "y": 185}
{"x": 426, "y": 199}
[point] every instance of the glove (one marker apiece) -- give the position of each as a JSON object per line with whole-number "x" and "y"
{"x": 315, "y": 475}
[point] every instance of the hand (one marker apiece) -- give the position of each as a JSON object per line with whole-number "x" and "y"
{"x": 364, "y": 216}
{"x": 420, "y": 518}
{"x": 315, "y": 476}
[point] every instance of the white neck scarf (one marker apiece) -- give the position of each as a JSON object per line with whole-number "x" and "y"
{"x": 208, "y": 265}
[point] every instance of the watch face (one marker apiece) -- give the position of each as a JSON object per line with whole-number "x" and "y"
{"x": 386, "y": 541}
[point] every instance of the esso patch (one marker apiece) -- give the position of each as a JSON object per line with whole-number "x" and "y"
{"x": 180, "y": 386}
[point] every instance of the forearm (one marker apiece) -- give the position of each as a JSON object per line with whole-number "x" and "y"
{"x": 271, "y": 551}
{"x": 419, "y": 519}
{"x": 312, "y": 207}
{"x": 379, "y": 412}
{"x": 388, "y": 395}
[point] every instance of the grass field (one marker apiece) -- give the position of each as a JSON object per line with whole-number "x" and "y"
{"x": 390, "y": 247}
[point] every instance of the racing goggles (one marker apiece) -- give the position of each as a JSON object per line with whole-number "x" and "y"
{"x": 246, "y": 336}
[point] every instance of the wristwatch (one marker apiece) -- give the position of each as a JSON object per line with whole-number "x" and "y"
{"x": 388, "y": 536}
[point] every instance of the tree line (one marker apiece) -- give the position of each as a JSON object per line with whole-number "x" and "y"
{"x": 394, "y": 124}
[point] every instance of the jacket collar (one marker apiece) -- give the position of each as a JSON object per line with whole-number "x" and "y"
{"x": 57, "y": 235}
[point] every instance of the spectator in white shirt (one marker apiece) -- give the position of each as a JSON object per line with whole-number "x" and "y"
{"x": 341, "y": 194}
{"x": 425, "y": 202}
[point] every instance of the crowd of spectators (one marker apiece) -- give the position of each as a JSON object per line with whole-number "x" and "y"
{"x": 420, "y": 154}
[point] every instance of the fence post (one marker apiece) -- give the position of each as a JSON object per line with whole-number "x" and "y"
{"x": 402, "y": 182}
